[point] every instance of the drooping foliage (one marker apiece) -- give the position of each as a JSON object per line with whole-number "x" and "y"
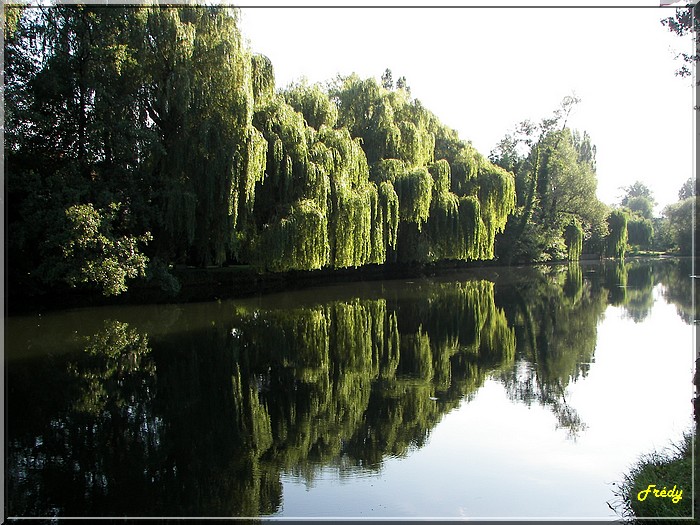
{"x": 573, "y": 236}
{"x": 617, "y": 239}
{"x": 165, "y": 112}
{"x": 640, "y": 231}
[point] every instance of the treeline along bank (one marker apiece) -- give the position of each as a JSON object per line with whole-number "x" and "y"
{"x": 143, "y": 138}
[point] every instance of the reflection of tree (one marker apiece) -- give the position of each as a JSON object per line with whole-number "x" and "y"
{"x": 372, "y": 377}
{"x": 117, "y": 362}
{"x": 615, "y": 281}
{"x": 675, "y": 276}
{"x": 640, "y": 290}
{"x": 205, "y": 421}
{"x": 100, "y": 426}
{"x": 555, "y": 316}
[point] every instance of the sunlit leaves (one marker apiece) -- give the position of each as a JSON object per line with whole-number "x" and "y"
{"x": 166, "y": 109}
{"x": 415, "y": 192}
{"x": 573, "y": 236}
{"x": 93, "y": 254}
{"x": 263, "y": 79}
{"x": 313, "y": 103}
{"x": 295, "y": 241}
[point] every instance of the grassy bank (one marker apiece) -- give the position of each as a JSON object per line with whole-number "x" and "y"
{"x": 659, "y": 485}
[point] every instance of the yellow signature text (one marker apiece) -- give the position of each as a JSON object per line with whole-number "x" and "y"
{"x": 675, "y": 495}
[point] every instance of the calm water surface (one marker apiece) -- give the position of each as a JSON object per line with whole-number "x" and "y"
{"x": 524, "y": 392}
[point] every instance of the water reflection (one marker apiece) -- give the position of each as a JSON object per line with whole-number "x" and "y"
{"x": 205, "y": 416}
{"x": 555, "y": 314}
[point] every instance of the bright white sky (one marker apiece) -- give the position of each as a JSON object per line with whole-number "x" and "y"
{"x": 483, "y": 70}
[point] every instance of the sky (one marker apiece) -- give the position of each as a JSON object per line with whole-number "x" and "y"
{"x": 483, "y": 70}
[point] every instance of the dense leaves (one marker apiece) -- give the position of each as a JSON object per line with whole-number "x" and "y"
{"x": 555, "y": 184}
{"x": 165, "y": 114}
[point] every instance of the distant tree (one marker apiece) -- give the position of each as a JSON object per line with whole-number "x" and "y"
{"x": 555, "y": 180}
{"x": 687, "y": 190}
{"x": 638, "y": 189}
{"x": 617, "y": 239}
{"x": 640, "y": 231}
{"x": 680, "y": 223}
{"x": 402, "y": 84}
{"x": 387, "y": 80}
{"x": 641, "y": 206}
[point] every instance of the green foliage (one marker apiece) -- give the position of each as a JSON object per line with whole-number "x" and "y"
{"x": 617, "y": 238}
{"x": 497, "y": 199}
{"x": 296, "y": 241}
{"x": 387, "y": 215}
{"x": 680, "y": 223}
{"x": 472, "y": 228}
{"x": 641, "y": 206}
{"x": 640, "y": 231}
{"x": 263, "y": 79}
{"x": 638, "y": 189}
{"x": 165, "y": 109}
{"x": 198, "y": 47}
{"x": 415, "y": 192}
{"x": 688, "y": 189}
{"x": 313, "y": 103}
{"x": 573, "y": 236}
{"x": 440, "y": 171}
{"x": 387, "y": 170}
{"x": 661, "y": 471}
{"x": 554, "y": 180}
{"x": 93, "y": 254}
{"x": 352, "y": 233}
{"x": 684, "y": 22}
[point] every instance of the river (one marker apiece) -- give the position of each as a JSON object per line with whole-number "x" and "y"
{"x": 501, "y": 393}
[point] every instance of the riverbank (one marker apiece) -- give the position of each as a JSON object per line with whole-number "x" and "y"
{"x": 215, "y": 283}
{"x": 660, "y": 485}
{"x": 211, "y": 284}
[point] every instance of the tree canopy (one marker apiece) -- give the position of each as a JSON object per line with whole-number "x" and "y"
{"x": 555, "y": 178}
{"x": 161, "y": 128}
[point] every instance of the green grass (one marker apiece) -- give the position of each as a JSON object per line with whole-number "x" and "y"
{"x": 664, "y": 470}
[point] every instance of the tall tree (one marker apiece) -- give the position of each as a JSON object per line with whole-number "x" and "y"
{"x": 555, "y": 177}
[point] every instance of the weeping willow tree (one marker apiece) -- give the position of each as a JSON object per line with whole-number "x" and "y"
{"x": 617, "y": 238}
{"x": 298, "y": 240}
{"x": 172, "y": 115}
{"x": 386, "y": 224}
{"x": 263, "y": 79}
{"x": 573, "y": 236}
{"x": 354, "y": 202}
{"x": 207, "y": 139}
{"x": 497, "y": 199}
{"x": 415, "y": 191}
{"x": 313, "y": 103}
{"x": 401, "y": 139}
{"x": 444, "y": 225}
{"x": 290, "y": 211}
